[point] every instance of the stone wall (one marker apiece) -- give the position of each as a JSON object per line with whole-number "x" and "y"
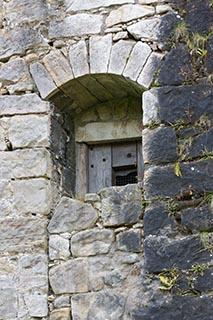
{"x": 133, "y": 252}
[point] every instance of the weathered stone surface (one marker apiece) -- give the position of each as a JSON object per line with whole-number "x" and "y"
{"x": 91, "y": 242}
{"x": 29, "y": 131}
{"x": 23, "y": 234}
{"x": 119, "y": 56}
{"x": 8, "y": 299}
{"x": 100, "y": 49}
{"x": 18, "y": 41}
{"x": 91, "y": 4}
{"x": 72, "y": 215}
{"x": 162, "y": 253}
{"x": 146, "y": 76}
{"x": 97, "y": 306}
{"x": 99, "y": 267}
{"x": 78, "y": 58}
{"x": 200, "y": 145}
{"x": 171, "y": 104}
{"x": 209, "y": 55}
{"x": 127, "y": 13}
{"x": 136, "y": 61}
{"x": 198, "y": 219}
{"x": 90, "y": 24}
{"x": 156, "y": 29}
{"x": 164, "y": 223}
{"x": 37, "y": 305}
{"x": 43, "y": 80}
{"x": 23, "y": 11}
{"x": 6, "y": 197}
{"x": 61, "y": 314}
{"x": 176, "y": 67}
{"x": 25, "y": 164}
{"x": 178, "y": 308}
{"x": 62, "y": 301}
{"x": 204, "y": 282}
{"x": 163, "y": 139}
{"x": 70, "y": 277}
{"x": 33, "y": 265}
{"x": 58, "y": 67}
{"x": 120, "y": 35}
{"x": 58, "y": 247}
{"x": 91, "y": 197}
{"x": 28, "y": 103}
{"x": 32, "y": 196}
{"x": 129, "y": 241}
{"x": 162, "y": 181}
{"x": 121, "y": 205}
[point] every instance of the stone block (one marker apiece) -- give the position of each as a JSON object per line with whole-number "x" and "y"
{"x": 129, "y": 241}
{"x": 60, "y": 314}
{"x": 62, "y": 301}
{"x": 8, "y": 299}
{"x": 91, "y": 242}
{"x": 121, "y": 205}
{"x": 198, "y": 219}
{"x": 97, "y": 306}
{"x": 6, "y": 197}
{"x": 29, "y": 131}
{"x": 162, "y": 253}
{"x": 176, "y": 68}
{"x": 146, "y": 76}
{"x": 70, "y": 277}
{"x": 28, "y": 103}
{"x": 58, "y": 247}
{"x": 25, "y": 163}
{"x": 17, "y": 42}
{"x": 58, "y": 67}
{"x": 78, "y": 59}
{"x": 15, "y": 71}
{"x": 162, "y": 181}
{"x": 136, "y": 61}
{"x": 91, "y": 4}
{"x": 32, "y": 196}
{"x": 163, "y": 139}
{"x": 119, "y": 56}
{"x": 99, "y": 267}
{"x": 127, "y": 13}
{"x": 204, "y": 281}
{"x": 37, "y": 305}
{"x": 72, "y": 215}
{"x": 43, "y": 80}
{"x": 100, "y": 49}
{"x": 70, "y": 26}
{"x": 170, "y": 104}
{"x": 200, "y": 145}
{"x": 33, "y": 265}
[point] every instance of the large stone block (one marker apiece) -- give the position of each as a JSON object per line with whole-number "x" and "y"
{"x": 37, "y": 305}
{"x": 198, "y": 219}
{"x": 58, "y": 247}
{"x": 99, "y": 267}
{"x": 70, "y": 26}
{"x": 100, "y": 49}
{"x": 8, "y": 299}
{"x": 121, "y": 205}
{"x": 129, "y": 241}
{"x": 162, "y": 253}
{"x": 72, "y": 215}
{"x": 162, "y": 181}
{"x": 28, "y": 103}
{"x": 91, "y": 242}
{"x": 163, "y": 139}
{"x": 70, "y": 277}
{"x": 127, "y": 13}
{"x": 91, "y": 4}
{"x": 78, "y": 58}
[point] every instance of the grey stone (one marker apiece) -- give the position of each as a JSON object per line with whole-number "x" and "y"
{"x": 91, "y": 4}
{"x": 162, "y": 181}
{"x": 72, "y": 215}
{"x": 119, "y": 56}
{"x": 91, "y": 242}
{"x": 32, "y": 196}
{"x": 18, "y": 41}
{"x": 198, "y": 219}
{"x": 201, "y": 145}
{"x": 146, "y": 76}
{"x": 70, "y": 277}
{"x": 29, "y": 131}
{"x": 15, "y": 71}
{"x": 91, "y": 197}
{"x": 120, "y": 35}
{"x": 163, "y": 139}
{"x": 61, "y": 301}
{"x": 209, "y": 56}
{"x": 58, "y": 67}
{"x": 33, "y": 265}
{"x": 61, "y": 314}
{"x": 6, "y": 197}
{"x": 127, "y": 13}
{"x": 99, "y": 267}
{"x": 58, "y": 247}
{"x": 8, "y": 299}
{"x": 204, "y": 282}
{"x": 90, "y": 24}
{"x": 162, "y": 253}
{"x": 121, "y": 205}
{"x": 136, "y": 61}
{"x": 43, "y": 80}
{"x": 37, "y": 305}
{"x": 78, "y": 58}
{"x": 100, "y": 49}
{"x": 171, "y": 104}
{"x": 28, "y": 103}
{"x": 129, "y": 241}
